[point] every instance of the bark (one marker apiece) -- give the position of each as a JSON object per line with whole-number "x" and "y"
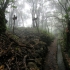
{"x": 68, "y": 36}
{"x": 5, "y": 5}
{"x": 3, "y": 21}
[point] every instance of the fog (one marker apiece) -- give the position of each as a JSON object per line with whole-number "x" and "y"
{"x": 34, "y": 34}
{"x": 24, "y": 12}
{"x": 49, "y": 14}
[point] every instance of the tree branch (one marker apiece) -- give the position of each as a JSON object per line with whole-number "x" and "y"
{"x": 5, "y": 5}
{"x": 62, "y": 6}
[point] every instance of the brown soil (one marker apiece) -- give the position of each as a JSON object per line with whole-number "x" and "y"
{"x": 51, "y": 62}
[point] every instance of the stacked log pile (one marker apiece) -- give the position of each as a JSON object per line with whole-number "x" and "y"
{"x": 26, "y": 55}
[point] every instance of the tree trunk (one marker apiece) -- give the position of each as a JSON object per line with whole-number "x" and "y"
{"x": 2, "y": 22}
{"x": 68, "y": 36}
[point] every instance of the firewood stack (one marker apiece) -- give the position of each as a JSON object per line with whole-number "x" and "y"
{"x": 16, "y": 54}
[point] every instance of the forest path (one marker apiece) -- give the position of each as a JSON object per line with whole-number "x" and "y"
{"x": 51, "y": 58}
{"x": 60, "y": 59}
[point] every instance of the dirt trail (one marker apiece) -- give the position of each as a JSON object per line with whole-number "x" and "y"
{"x": 51, "y": 62}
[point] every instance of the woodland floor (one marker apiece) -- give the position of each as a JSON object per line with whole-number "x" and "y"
{"x": 51, "y": 61}
{"x": 12, "y": 52}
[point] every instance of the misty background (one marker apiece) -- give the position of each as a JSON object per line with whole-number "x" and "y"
{"x": 49, "y": 13}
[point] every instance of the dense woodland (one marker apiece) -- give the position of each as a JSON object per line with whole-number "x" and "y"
{"x": 28, "y": 28}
